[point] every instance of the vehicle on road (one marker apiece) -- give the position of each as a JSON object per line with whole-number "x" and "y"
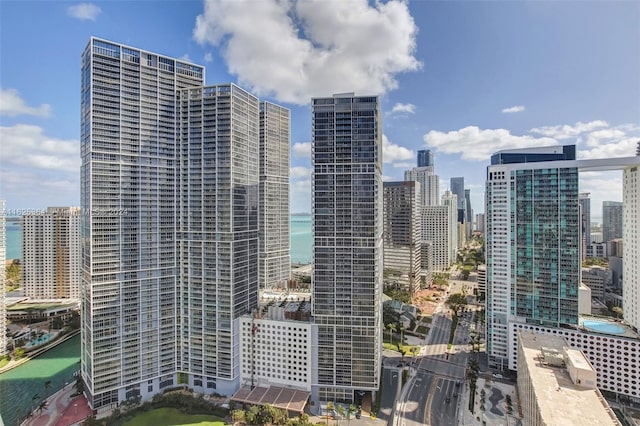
{"x": 496, "y": 376}
{"x": 447, "y": 400}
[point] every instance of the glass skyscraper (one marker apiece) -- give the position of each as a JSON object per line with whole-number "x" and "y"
{"x": 170, "y": 192}
{"x": 348, "y": 250}
{"x": 532, "y": 246}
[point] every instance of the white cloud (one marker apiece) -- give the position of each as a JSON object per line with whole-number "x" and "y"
{"x": 401, "y": 108}
{"x": 302, "y": 149}
{"x": 298, "y": 172}
{"x": 513, "y": 109}
{"x": 475, "y": 144}
{"x": 404, "y": 165}
{"x": 186, "y": 58}
{"x": 11, "y": 104}
{"x": 26, "y": 146}
{"x": 208, "y": 57}
{"x": 392, "y": 152}
{"x": 568, "y": 131}
{"x": 620, "y": 148}
{"x": 294, "y": 50}
{"x": 84, "y": 11}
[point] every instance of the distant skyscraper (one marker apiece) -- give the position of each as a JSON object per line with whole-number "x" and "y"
{"x": 440, "y": 230}
{"x": 631, "y": 240}
{"x": 348, "y": 247}
{"x": 531, "y": 207}
{"x": 457, "y": 188}
{"x": 425, "y": 175}
{"x": 611, "y": 220}
{"x": 52, "y": 254}
{"x": 402, "y": 234}
{"x": 3, "y": 307}
{"x": 480, "y": 222}
{"x": 425, "y": 158}
{"x": 275, "y": 256}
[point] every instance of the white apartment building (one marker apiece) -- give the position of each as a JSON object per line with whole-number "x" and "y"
{"x": 347, "y": 207}
{"x": 631, "y": 238}
{"x": 429, "y": 184}
{"x": 274, "y": 216}
{"x": 557, "y": 384}
{"x": 597, "y": 279}
{"x": 402, "y": 232}
{"x": 3, "y": 258}
{"x": 52, "y": 253}
{"x": 275, "y": 350}
{"x": 440, "y": 228}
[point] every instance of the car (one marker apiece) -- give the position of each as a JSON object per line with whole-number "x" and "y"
{"x": 447, "y": 400}
{"x": 496, "y": 376}
{"x": 455, "y": 395}
{"x": 458, "y": 382}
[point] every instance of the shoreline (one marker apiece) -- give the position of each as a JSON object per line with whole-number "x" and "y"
{"x": 36, "y": 352}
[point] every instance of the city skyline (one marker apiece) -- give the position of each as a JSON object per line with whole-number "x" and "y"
{"x": 450, "y": 82}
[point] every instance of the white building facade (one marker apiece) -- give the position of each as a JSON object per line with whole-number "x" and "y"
{"x": 275, "y": 351}
{"x": 347, "y": 202}
{"x": 52, "y": 253}
{"x": 429, "y": 184}
{"x": 631, "y": 252}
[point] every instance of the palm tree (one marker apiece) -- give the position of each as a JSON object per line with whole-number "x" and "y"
{"x": 47, "y": 385}
{"x": 341, "y": 410}
{"x": 351, "y": 410}
{"x": 390, "y": 327}
{"x": 401, "y": 329}
{"x": 330, "y": 408}
{"x": 43, "y": 405}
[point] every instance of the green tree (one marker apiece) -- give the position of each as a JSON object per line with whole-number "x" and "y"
{"x": 617, "y": 310}
{"x": 341, "y": 411}
{"x": 330, "y": 408}
{"x": 252, "y": 415}
{"x": 455, "y": 302}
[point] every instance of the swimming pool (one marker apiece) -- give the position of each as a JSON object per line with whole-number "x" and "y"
{"x": 40, "y": 340}
{"x": 603, "y": 327}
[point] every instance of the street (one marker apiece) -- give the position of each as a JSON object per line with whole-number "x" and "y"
{"x": 431, "y": 395}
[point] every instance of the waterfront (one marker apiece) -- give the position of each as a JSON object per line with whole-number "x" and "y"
{"x": 301, "y": 239}
{"x": 20, "y": 386}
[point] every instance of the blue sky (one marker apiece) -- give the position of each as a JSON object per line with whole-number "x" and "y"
{"x": 464, "y": 79}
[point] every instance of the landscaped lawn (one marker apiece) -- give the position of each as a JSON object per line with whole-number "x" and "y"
{"x": 173, "y": 417}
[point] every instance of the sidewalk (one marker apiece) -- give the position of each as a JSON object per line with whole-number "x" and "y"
{"x": 63, "y": 409}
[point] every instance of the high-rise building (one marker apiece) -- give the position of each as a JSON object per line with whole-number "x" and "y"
{"x": 611, "y": 220}
{"x": 425, "y": 158}
{"x": 171, "y": 174}
{"x": 457, "y": 188}
{"x": 402, "y": 234}
{"x": 480, "y": 222}
{"x": 275, "y": 257}
{"x": 440, "y": 229}
{"x": 52, "y": 253}
{"x": 530, "y": 277}
{"x": 129, "y": 183}
{"x": 3, "y": 307}
{"x": 631, "y": 252}
{"x": 468, "y": 219}
{"x": 585, "y": 221}
{"x": 217, "y": 231}
{"x": 348, "y": 247}
{"x": 429, "y": 184}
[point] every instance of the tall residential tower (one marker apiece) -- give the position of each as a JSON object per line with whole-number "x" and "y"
{"x": 348, "y": 249}
{"x": 171, "y": 174}
{"x": 52, "y": 253}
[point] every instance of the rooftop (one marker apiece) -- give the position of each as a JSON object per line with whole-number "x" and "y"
{"x": 559, "y": 400}
{"x": 608, "y": 326}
